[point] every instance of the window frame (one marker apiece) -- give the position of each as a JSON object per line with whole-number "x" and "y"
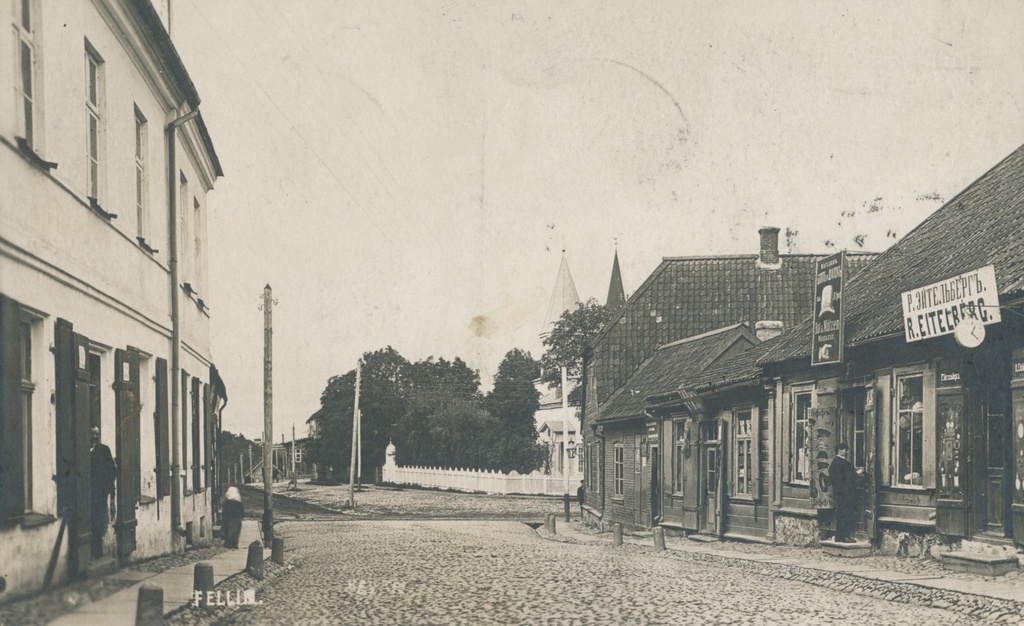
{"x": 794, "y": 475}
{"x": 95, "y": 130}
{"x": 619, "y": 476}
{"x": 744, "y": 447}
{"x": 24, "y": 27}
{"x": 680, "y": 445}
{"x": 141, "y": 178}
{"x": 902, "y": 407}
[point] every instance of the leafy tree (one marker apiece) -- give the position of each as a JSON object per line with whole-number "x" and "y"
{"x": 383, "y": 398}
{"x": 571, "y": 335}
{"x": 513, "y": 402}
{"x": 231, "y": 447}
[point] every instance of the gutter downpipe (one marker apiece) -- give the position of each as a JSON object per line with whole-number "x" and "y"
{"x": 172, "y": 195}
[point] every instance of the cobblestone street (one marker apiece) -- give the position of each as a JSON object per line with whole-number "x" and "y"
{"x": 445, "y": 572}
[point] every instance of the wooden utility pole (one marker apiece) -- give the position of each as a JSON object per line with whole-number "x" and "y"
{"x": 355, "y": 440}
{"x": 268, "y": 417}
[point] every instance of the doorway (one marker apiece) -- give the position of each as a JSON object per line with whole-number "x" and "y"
{"x": 710, "y": 476}
{"x": 992, "y": 446}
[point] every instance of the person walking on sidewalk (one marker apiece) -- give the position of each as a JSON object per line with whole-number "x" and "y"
{"x": 844, "y": 492}
{"x": 233, "y": 512}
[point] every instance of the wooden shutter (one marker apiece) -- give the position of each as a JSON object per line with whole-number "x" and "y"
{"x": 691, "y": 475}
{"x": 163, "y": 432}
{"x": 950, "y": 501}
{"x": 126, "y": 364}
{"x": 872, "y": 426}
{"x": 80, "y": 525}
{"x": 883, "y": 420}
{"x": 12, "y": 419}
{"x": 197, "y": 473}
{"x": 183, "y": 411}
{"x": 207, "y": 434}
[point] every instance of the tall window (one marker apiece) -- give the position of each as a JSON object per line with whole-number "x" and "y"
{"x": 800, "y": 454}
{"x": 620, "y": 471}
{"x": 183, "y": 235}
{"x": 197, "y": 247}
{"x": 679, "y": 436}
{"x": 908, "y": 430}
{"x": 140, "y": 174}
{"x": 27, "y": 387}
{"x": 25, "y": 26}
{"x": 744, "y": 452}
{"x": 853, "y": 422}
{"x": 94, "y": 113}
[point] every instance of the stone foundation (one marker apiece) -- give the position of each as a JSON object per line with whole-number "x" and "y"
{"x": 797, "y": 531}
{"x": 916, "y": 543}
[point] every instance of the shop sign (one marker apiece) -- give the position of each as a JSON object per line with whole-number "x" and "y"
{"x": 935, "y": 310}
{"x": 949, "y": 375}
{"x": 827, "y": 339}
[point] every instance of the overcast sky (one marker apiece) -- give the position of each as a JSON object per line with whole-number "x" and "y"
{"x": 407, "y": 173}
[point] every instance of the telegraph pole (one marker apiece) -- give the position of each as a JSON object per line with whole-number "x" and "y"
{"x": 355, "y": 440}
{"x": 268, "y": 417}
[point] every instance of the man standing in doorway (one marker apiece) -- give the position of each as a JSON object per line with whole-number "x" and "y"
{"x": 844, "y": 492}
{"x": 102, "y": 474}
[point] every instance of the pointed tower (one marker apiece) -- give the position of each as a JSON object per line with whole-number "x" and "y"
{"x": 563, "y": 297}
{"x": 616, "y": 294}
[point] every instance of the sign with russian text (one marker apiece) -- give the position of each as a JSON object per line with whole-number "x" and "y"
{"x": 827, "y": 338}
{"x": 935, "y": 310}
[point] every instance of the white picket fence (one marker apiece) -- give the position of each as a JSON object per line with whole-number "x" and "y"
{"x": 536, "y": 482}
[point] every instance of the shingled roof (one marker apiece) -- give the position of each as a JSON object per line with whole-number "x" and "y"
{"x": 687, "y": 296}
{"x": 672, "y": 366}
{"x": 982, "y": 225}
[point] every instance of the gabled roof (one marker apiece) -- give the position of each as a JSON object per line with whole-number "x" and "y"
{"x": 616, "y": 292}
{"x": 982, "y": 225}
{"x": 555, "y": 427}
{"x": 673, "y": 366}
{"x": 563, "y": 296}
{"x": 686, "y": 296}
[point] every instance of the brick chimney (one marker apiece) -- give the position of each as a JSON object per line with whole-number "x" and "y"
{"x": 769, "y": 257}
{"x": 766, "y": 329}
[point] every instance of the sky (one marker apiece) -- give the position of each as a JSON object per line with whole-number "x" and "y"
{"x": 408, "y": 173}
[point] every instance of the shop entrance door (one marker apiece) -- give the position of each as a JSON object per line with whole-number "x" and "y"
{"x": 710, "y": 476}
{"x": 992, "y": 498}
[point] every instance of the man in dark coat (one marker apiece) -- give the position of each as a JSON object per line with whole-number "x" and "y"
{"x": 844, "y": 492}
{"x": 103, "y": 471}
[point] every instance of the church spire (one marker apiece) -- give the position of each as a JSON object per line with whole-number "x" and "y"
{"x": 616, "y": 294}
{"x": 563, "y": 297}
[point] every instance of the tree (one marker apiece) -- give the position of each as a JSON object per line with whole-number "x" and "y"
{"x": 513, "y": 402}
{"x": 383, "y": 399}
{"x": 571, "y": 335}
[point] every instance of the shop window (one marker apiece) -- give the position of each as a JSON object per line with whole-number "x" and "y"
{"x": 800, "y": 453}
{"x": 620, "y": 473}
{"x": 908, "y": 431}
{"x": 680, "y": 435}
{"x": 744, "y": 456}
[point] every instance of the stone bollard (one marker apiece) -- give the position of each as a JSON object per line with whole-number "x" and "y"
{"x": 277, "y": 550}
{"x": 150, "y": 608}
{"x": 202, "y": 581}
{"x": 659, "y": 538}
{"x": 547, "y": 523}
{"x": 254, "y": 562}
{"x": 616, "y": 535}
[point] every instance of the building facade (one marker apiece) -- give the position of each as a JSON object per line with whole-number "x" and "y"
{"x": 104, "y": 306}
{"x": 928, "y": 394}
{"x": 640, "y": 453}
